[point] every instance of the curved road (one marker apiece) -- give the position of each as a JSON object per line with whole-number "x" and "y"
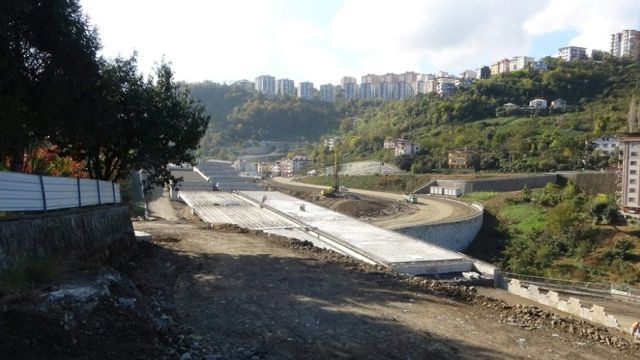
{"x": 429, "y": 210}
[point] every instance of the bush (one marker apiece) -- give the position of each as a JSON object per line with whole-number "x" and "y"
{"x": 622, "y": 250}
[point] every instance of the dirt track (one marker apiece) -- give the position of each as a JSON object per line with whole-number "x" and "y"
{"x": 249, "y": 297}
{"x": 428, "y": 210}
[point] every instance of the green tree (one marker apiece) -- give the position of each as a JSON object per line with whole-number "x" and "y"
{"x": 138, "y": 124}
{"x": 48, "y": 69}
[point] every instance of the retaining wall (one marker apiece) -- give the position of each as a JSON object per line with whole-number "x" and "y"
{"x": 501, "y": 184}
{"x": 455, "y": 235}
{"x": 572, "y": 306}
{"x": 95, "y": 233}
{"x": 592, "y": 183}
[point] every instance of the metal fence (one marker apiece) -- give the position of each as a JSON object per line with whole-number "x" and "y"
{"x": 27, "y": 192}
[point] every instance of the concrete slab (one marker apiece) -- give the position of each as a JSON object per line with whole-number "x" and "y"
{"x": 404, "y": 253}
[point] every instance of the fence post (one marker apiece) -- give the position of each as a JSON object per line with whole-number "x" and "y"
{"x": 44, "y": 196}
{"x": 98, "y": 187}
{"x": 79, "y": 195}
{"x": 113, "y": 190}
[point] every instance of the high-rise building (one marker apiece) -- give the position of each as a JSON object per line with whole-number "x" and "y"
{"x": 327, "y": 93}
{"x": 245, "y": 84}
{"x": 630, "y": 168}
{"x": 266, "y": 84}
{"x": 626, "y": 43}
{"x": 285, "y": 87}
{"x": 570, "y": 53}
{"x": 349, "y": 88}
{"x": 305, "y": 91}
{"x": 520, "y": 62}
{"x": 368, "y": 91}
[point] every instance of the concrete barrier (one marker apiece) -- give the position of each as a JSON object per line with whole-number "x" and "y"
{"x": 455, "y": 235}
{"x": 573, "y": 306}
{"x": 95, "y": 233}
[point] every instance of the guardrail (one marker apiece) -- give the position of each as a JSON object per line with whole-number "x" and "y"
{"x": 28, "y": 192}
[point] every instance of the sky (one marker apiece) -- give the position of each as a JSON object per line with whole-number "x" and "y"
{"x": 323, "y": 40}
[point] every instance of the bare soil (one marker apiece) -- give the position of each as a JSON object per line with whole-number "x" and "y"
{"x": 250, "y": 296}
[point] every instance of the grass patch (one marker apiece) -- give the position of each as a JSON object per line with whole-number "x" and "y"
{"x": 480, "y": 196}
{"x": 525, "y": 218}
{"x": 136, "y": 208}
{"x": 25, "y": 277}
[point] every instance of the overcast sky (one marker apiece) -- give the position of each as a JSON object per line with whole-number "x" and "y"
{"x": 323, "y": 40}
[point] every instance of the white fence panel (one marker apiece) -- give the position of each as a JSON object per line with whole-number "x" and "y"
{"x": 27, "y": 192}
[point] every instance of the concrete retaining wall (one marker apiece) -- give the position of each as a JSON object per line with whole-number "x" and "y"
{"x": 592, "y": 183}
{"x": 87, "y": 233}
{"x": 572, "y": 306}
{"x": 455, "y": 235}
{"x": 500, "y": 184}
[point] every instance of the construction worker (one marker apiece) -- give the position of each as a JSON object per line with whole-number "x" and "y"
{"x": 635, "y": 330}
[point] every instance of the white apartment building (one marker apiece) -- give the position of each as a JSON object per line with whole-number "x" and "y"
{"x": 520, "y": 62}
{"x": 266, "y": 84}
{"x": 327, "y": 93}
{"x": 626, "y": 43}
{"x": 331, "y": 142}
{"x": 605, "y": 144}
{"x": 305, "y": 91}
{"x": 349, "y": 88}
{"x": 285, "y": 87}
{"x": 630, "y": 199}
{"x": 570, "y": 53}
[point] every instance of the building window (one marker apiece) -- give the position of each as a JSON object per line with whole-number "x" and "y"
{"x": 632, "y": 181}
{"x": 634, "y": 153}
{"x": 632, "y": 199}
{"x": 632, "y": 172}
{"x": 633, "y": 162}
{"x": 632, "y": 190}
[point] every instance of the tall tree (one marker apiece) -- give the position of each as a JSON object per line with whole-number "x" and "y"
{"x": 48, "y": 68}
{"x": 632, "y": 116}
{"x": 138, "y": 124}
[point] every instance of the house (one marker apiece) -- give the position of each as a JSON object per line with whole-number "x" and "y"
{"x": 538, "y": 104}
{"x": 402, "y": 147}
{"x": 290, "y": 167}
{"x": 462, "y": 158}
{"x": 605, "y": 144}
{"x": 331, "y": 142}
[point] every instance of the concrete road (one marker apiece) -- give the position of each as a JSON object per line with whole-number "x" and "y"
{"x": 429, "y": 210}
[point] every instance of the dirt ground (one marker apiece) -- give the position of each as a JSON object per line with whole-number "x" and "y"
{"x": 249, "y": 296}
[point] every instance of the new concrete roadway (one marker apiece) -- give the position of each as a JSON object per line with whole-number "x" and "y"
{"x": 429, "y": 210}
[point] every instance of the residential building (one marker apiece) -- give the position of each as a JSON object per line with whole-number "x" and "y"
{"x": 630, "y": 177}
{"x": 494, "y": 69}
{"x": 245, "y": 84}
{"x": 540, "y": 65}
{"x": 461, "y": 158}
{"x": 445, "y": 86}
{"x": 368, "y": 91}
{"x": 327, "y": 93}
{"x": 266, "y": 84}
{"x": 538, "y": 104}
{"x": 349, "y": 88}
{"x": 468, "y": 75}
{"x": 331, "y": 142}
{"x": 504, "y": 66}
{"x": 626, "y": 43}
{"x": 483, "y": 72}
{"x": 305, "y": 91}
{"x": 605, "y": 144}
{"x": 285, "y": 87}
{"x": 571, "y": 53}
{"x": 387, "y": 90}
{"x": 520, "y": 62}
{"x": 299, "y": 164}
{"x": 402, "y": 147}
{"x": 403, "y": 90}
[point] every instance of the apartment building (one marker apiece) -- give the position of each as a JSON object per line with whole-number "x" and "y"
{"x": 626, "y": 43}
{"x": 571, "y": 53}
{"x": 349, "y": 88}
{"x": 520, "y": 62}
{"x": 266, "y": 84}
{"x": 630, "y": 175}
{"x": 285, "y": 87}
{"x": 305, "y": 90}
{"x": 327, "y": 93}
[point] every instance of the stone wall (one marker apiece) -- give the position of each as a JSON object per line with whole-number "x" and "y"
{"x": 455, "y": 235}
{"x": 500, "y": 184}
{"x": 95, "y": 233}
{"x": 591, "y": 183}
{"x": 572, "y": 306}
